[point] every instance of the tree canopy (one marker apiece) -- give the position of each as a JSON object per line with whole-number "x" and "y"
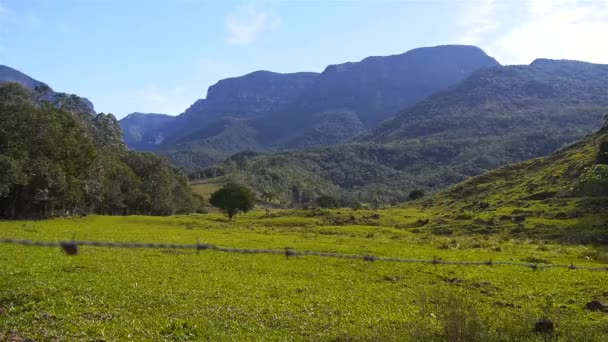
{"x": 416, "y": 194}
{"x": 56, "y": 161}
{"x": 233, "y": 198}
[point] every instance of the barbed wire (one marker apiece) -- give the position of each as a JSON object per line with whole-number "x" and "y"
{"x": 71, "y": 247}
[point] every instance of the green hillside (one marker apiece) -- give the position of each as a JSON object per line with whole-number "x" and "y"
{"x": 495, "y": 117}
{"x": 563, "y": 196}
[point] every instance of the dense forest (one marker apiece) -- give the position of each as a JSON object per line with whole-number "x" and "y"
{"x": 59, "y": 158}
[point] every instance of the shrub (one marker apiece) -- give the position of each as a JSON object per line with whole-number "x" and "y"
{"x": 326, "y": 201}
{"x": 593, "y": 181}
{"x": 416, "y": 194}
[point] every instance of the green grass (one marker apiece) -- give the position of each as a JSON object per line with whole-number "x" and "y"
{"x": 119, "y": 294}
{"x": 208, "y": 187}
{"x": 539, "y": 192}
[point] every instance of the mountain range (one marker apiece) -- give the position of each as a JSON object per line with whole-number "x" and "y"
{"x": 370, "y": 131}
{"x": 265, "y": 111}
{"x": 496, "y": 116}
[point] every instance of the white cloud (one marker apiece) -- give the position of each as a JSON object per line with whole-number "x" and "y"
{"x": 530, "y": 29}
{"x": 567, "y": 29}
{"x": 247, "y": 23}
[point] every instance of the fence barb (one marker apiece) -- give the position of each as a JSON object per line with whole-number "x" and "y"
{"x": 71, "y": 247}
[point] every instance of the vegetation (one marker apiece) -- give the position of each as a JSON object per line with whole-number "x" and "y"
{"x": 232, "y": 199}
{"x": 560, "y": 197}
{"x": 141, "y": 294}
{"x": 416, "y": 194}
{"x": 57, "y": 161}
{"x": 493, "y": 118}
{"x": 326, "y": 201}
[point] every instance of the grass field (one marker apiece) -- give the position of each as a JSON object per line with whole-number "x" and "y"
{"x": 143, "y": 294}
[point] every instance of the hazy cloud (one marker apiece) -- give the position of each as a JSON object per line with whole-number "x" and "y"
{"x": 246, "y": 23}
{"x": 530, "y": 29}
{"x": 567, "y": 29}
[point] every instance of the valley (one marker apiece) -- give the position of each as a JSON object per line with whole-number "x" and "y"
{"x": 470, "y": 199}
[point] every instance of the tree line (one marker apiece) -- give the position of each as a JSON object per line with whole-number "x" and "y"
{"x": 57, "y": 161}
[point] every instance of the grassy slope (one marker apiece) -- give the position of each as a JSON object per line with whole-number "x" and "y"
{"x": 537, "y": 190}
{"x": 178, "y": 295}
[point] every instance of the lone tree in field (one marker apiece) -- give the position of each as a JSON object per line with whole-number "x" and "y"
{"x": 416, "y": 194}
{"x": 232, "y": 199}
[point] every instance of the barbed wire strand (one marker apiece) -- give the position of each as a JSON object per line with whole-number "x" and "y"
{"x": 71, "y": 247}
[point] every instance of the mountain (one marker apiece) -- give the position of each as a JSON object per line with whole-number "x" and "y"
{"x": 374, "y": 89}
{"x": 242, "y": 97}
{"x": 8, "y": 74}
{"x": 286, "y": 111}
{"x": 498, "y": 100}
{"x": 495, "y": 117}
{"x": 143, "y": 131}
{"x": 44, "y": 92}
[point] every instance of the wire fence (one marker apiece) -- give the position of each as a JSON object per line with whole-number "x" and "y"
{"x": 71, "y": 247}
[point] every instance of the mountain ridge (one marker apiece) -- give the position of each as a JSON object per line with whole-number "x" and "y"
{"x": 316, "y": 109}
{"x": 496, "y": 116}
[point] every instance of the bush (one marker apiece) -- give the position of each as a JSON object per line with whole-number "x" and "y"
{"x": 593, "y": 181}
{"x": 326, "y": 201}
{"x": 416, "y": 194}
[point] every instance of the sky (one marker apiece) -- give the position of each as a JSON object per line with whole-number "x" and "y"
{"x": 161, "y": 56}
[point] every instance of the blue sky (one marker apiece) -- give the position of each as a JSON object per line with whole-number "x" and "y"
{"x": 160, "y": 56}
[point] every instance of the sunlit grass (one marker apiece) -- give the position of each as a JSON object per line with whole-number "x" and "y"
{"x": 179, "y": 294}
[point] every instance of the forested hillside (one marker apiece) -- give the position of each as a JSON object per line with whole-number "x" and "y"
{"x": 265, "y": 111}
{"x": 495, "y": 117}
{"x": 59, "y": 158}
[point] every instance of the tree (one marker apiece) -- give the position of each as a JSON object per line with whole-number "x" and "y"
{"x": 326, "y": 201}
{"x": 69, "y": 161}
{"x": 233, "y": 198}
{"x": 416, "y": 194}
{"x": 268, "y": 196}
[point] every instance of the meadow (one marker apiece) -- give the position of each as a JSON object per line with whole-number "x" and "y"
{"x": 148, "y": 294}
